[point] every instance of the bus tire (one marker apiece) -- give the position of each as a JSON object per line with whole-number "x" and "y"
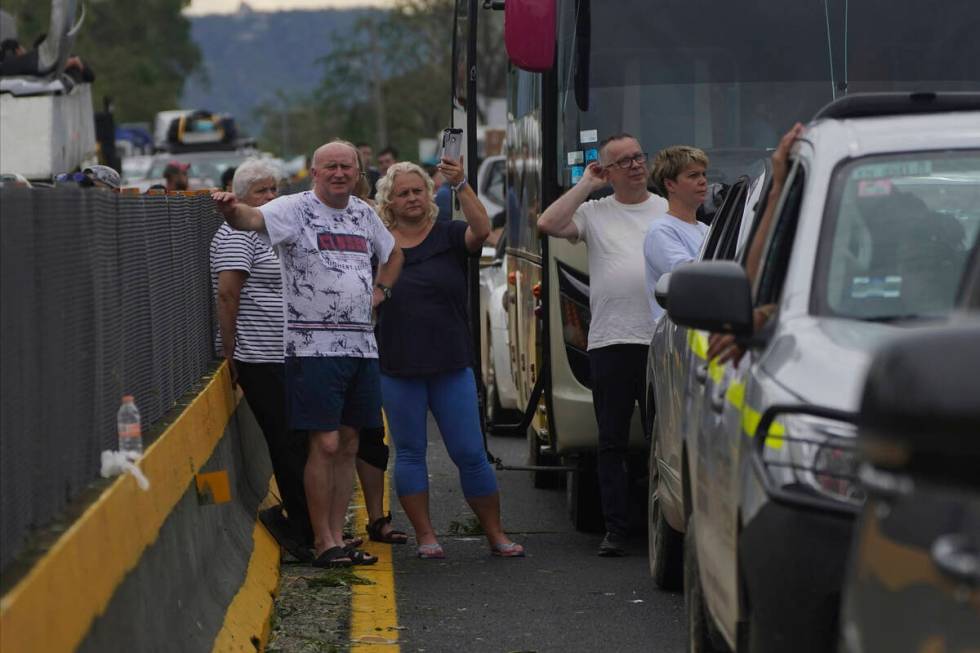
{"x": 582, "y": 496}
{"x": 541, "y": 479}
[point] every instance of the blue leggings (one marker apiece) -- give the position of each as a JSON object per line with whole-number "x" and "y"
{"x": 451, "y": 396}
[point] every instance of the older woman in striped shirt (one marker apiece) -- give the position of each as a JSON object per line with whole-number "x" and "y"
{"x": 247, "y": 282}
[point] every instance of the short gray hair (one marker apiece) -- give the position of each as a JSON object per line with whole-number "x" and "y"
{"x": 251, "y": 171}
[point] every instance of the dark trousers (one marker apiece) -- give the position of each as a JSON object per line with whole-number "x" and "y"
{"x": 618, "y": 378}
{"x": 264, "y": 386}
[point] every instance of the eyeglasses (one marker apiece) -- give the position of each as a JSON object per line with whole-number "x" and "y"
{"x": 627, "y": 161}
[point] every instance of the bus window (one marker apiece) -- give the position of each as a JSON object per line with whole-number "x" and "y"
{"x": 732, "y": 78}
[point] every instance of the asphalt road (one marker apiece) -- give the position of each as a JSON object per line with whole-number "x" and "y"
{"x": 561, "y": 597}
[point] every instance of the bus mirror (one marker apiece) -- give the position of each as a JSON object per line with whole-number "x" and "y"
{"x": 529, "y": 34}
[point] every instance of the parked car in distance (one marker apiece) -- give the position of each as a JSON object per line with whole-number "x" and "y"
{"x": 500, "y": 399}
{"x": 205, "y": 170}
{"x": 916, "y": 547}
{"x": 871, "y": 237}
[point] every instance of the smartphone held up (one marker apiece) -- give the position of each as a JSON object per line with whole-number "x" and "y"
{"x": 452, "y": 142}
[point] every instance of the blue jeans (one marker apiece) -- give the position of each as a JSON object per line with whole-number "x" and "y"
{"x": 451, "y": 396}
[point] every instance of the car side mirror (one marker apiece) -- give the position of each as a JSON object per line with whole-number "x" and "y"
{"x": 661, "y": 289}
{"x": 920, "y": 412}
{"x": 711, "y": 295}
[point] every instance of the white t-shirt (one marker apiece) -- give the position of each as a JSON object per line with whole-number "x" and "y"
{"x": 669, "y": 242}
{"x": 258, "y": 326}
{"x": 325, "y": 255}
{"x": 614, "y": 232}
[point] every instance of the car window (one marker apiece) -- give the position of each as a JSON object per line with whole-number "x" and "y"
{"x": 201, "y": 167}
{"x": 897, "y": 235}
{"x": 776, "y": 260}
{"x": 495, "y": 183}
{"x": 723, "y": 218}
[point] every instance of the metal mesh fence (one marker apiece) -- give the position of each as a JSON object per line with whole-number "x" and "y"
{"x": 100, "y": 295}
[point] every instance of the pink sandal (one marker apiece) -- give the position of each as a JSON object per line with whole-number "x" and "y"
{"x": 431, "y": 552}
{"x": 509, "y": 550}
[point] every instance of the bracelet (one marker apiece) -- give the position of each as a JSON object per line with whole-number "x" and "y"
{"x": 458, "y": 187}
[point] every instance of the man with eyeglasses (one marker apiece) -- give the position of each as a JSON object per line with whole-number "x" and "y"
{"x": 613, "y": 228}
{"x": 325, "y": 239}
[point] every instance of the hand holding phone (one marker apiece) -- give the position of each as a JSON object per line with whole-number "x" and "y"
{"x": 452, "y": 143}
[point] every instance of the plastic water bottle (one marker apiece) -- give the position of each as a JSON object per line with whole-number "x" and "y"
{"x": 128, "y": 423}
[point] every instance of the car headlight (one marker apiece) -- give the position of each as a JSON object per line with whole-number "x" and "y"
{"x": 820, "y": 455}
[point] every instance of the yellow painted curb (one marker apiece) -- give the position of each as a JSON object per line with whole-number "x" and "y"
{"x": 52, "y": 608}
{"x": 374, "y": 614}
{"x": 246, "y": 626}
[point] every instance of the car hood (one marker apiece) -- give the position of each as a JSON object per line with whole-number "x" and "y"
{"x": 823, "y": 361}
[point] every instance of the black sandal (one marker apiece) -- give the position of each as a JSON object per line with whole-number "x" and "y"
{"x": 376, "y": 532}
{"x": 333, "y": 557}
{"x": 358, "y": 557}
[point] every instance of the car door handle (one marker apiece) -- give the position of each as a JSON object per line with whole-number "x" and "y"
{"x": 958, "y": 557}
{"x": 718, "y": 400}
{"x": 701, "y": 373}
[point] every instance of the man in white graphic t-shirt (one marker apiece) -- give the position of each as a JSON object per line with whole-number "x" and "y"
{"x": 619, "y": 335}
{"x": 325, "y": 239}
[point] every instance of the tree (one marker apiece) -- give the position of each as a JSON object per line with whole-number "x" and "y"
{"x": 141, "y": 52}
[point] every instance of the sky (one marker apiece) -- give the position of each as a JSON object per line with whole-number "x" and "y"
{"x": 202, "y": 7}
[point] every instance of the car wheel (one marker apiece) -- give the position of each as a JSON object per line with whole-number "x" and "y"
{"x": 665, "y": 546}
{"x": 698, "y": 631}
{"x": 535, "y": 457}
{"x": 582, "y": 497}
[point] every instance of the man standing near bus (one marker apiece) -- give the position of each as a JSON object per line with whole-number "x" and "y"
{"x": 619, "y": 335}
{"x": 676, "y": 236}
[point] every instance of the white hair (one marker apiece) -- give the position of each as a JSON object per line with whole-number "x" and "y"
{"x": 251, "y": 171}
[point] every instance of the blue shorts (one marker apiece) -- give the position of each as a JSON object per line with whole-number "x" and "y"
{"x": 326, "y": 392}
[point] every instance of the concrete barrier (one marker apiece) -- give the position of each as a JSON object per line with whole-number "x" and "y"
{"x": 170, "y": 569}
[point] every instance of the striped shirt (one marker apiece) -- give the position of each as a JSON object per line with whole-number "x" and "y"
{"x": 260, "y": 310}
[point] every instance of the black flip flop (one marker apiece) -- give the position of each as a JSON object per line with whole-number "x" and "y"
{"x": 376, "y": 532}
{"x": 358, "y": 557}
{"x": 334, "y": 557}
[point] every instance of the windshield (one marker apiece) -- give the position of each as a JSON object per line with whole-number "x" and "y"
{"x": 731, "y": 77}
{"x": 207, "y": 167}
{"x": 902, "y": 228}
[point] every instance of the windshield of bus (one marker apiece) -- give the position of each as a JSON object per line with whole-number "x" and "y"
{"x": 901, "y": 230}
{"x": 732, "y": 77}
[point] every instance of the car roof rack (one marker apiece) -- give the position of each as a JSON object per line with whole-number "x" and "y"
{"x": 864, "y": 105}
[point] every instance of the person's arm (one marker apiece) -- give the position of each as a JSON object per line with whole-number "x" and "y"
{"x": 230, "y": 284}
{"x": 723, "y": 345}
{"x": 387, "y": 274}
{"x": 780, "y": 171}
{"x": 240, "y": 216}
{"x": 557, "y": 219}
{"x": 477, "y": 220}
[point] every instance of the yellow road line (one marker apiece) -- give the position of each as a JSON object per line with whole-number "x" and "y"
{"x": 246, "y": 625}
{"x": 374, "y": 616}
{"x": 53, "y": 606}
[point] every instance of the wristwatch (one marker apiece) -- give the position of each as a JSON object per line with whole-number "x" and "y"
{"x": 385, "y": 290}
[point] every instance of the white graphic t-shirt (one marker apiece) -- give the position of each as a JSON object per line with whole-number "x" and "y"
{"x": 325, "y": 255}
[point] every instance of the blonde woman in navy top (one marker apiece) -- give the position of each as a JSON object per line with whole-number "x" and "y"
{"x": 425, "y": 349}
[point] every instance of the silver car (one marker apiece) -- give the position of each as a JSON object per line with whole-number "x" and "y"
{"x": 870, "y": 239}
{"x": 676, "y": 372}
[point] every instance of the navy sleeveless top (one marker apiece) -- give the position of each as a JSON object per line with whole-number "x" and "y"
{"x": 424, "y": 328}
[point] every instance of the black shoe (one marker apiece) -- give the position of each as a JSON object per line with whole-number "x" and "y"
{"x": 612, "y": 546}
{"x": 278, "y": 527}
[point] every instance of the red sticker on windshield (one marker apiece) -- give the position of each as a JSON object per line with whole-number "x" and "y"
{"x": 874, "y": 187}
